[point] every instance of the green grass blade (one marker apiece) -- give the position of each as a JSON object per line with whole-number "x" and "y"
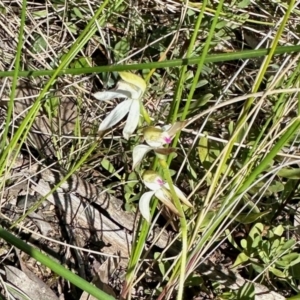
{"x": 212, "y": 58}
{"x": 54, "y": 266}
{"x": 15, "y": 77}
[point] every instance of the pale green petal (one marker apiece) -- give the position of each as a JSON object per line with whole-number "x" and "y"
{"x": 132, "y": 119}
{"x": 144, "y": 205}
{"x": 155, "y": 137}
{"x": 116, "y": 115}
{"x": 110, "y": 95}
{"x": 134, "y": 79}
{"x": 152, "y": 180}
{"x": 165, "y": 197}
{"x": 138, "y": 154}
{"x": 180, "y": 195}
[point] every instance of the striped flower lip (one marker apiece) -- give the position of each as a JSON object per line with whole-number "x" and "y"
{"x": 161, "y": 191}
{"x": 156, "y": 138}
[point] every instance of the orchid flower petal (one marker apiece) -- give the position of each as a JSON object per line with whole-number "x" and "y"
{"x": 134, "y": 80}
{"x": 152, "y": 180}
{"x": 132, "y": 119}
{"x": 116, "y": 115}
{"x": 165, "y": 197}
{"x": 155, "y": 137}
{"x": 144, "y": 205}
{"x": 180, "y": 195}
{"x": 138, "y": 154}
{"x": 128, "y": 89}
{"x": 110, "y": 95}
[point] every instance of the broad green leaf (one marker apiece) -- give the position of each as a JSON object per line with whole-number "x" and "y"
{"x": 258, "y": 268}
{"x": 163, "y": 266}
{"x": 288, "y": 260}
{"x": 255, "y": 242}
{"x": 249, "y": 218}
{"x": 241, "y": 258}
{"x": 256, "y": 230}
{"x": 40, "y": 13}
{"x": 277, "y": 272}
{"x": 289, "y": 244}
{"x": 289, "y": 173}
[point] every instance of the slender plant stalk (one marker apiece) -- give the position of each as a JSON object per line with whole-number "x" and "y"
{"x": 212, "y": 58}
{"x": 54, "y": 266}
{"x": 183, "y": 227}
{"x": 15, "y": 77}
{"x": 180, "y": 84}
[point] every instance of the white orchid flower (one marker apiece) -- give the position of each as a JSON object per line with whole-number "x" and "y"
{"x": 156, "y": 137}
{"x": 131, "y": 88}
{"x": 161, "y": 190}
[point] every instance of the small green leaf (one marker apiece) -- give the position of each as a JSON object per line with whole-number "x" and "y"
{"x": 39, "y": 45}
{"x": 121, "y": 48}
{"x": 203, "y": 149}
{"x": 40, "y": 13}
{"x": 244, "y": 244}
{"x": 161, "y": 265}
{"x": 77, "y": 13}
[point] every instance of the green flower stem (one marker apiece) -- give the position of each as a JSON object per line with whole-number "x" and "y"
{"x": 212, "y": 58}
{"x": 183, "y": 225}
{"x": 54, "y": 266}
{"x": 145, "y": 114}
